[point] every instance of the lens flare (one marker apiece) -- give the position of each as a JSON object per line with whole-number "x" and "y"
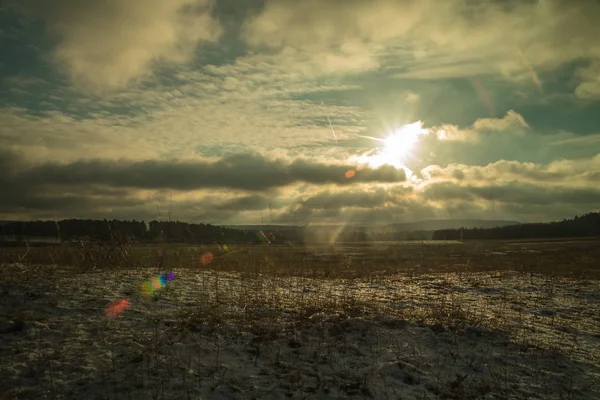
{"x": 350, "y": 173}
{"x": 206, "y": 258}
{"x": 146, "y": 287}
{"x": 158, "y": 282}
{"x": 116, "y": 308}
{"x": 149, "y": 287}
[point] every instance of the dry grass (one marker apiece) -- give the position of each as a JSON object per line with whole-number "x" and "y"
{"x": 562, "y": 259}
{"x": 447, "y": 321}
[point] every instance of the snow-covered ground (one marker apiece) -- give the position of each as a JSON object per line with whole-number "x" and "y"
{"x": 220, "y": 335}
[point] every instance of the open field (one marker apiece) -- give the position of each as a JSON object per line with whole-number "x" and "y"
{"x": 429, "y": 320}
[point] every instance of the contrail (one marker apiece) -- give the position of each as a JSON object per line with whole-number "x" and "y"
{"x": 534, "y": 76}
{"x": 332, "y": 130}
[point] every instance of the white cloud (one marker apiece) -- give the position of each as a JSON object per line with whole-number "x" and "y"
{"x": 412, "y": 97}
{"x": 245, "y": 105}
{"x": 228, "y": 112}
{"x": 106, "y": 44}
{"x": 511, "y": 123}
{"x": 453, "y": 132}
{"x": 564, "y": 173}
{"x": 432, "y": 39}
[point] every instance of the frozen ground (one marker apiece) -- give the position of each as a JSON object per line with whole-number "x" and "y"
{"x": 226, "y": 335}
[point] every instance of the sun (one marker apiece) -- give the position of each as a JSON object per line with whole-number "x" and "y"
{"x": 401, "y": 142}
{"x": 398, "y": 146}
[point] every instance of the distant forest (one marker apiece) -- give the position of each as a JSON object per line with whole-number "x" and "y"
{"x": 176, "y": 231}
{"x": 580, "y": 226}
{"x": 104, "y": 230}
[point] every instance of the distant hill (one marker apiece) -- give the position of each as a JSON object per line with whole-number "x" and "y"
{"x": 434, "y": 225}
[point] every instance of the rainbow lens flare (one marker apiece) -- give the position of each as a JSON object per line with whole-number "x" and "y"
{"x": 116, "y": 308}
{"x": 147, "y": 287}
{"x": 152, "y": 285}
{"x": 159, "y": 282}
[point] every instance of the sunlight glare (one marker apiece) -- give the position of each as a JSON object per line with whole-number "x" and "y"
{"x": 398, "y": 146}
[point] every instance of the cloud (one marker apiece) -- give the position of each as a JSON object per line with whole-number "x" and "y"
{"x": 175, "y": 121}
{"x": 293, "y": 191}
{"x": 336, "y": 200}
{"x": 108, "y": 43}
{"x": 511, "y": 123}
{"x": 518, "y": 193}
{"x": 328, "y": 37}
{"x": 453, "y": 132}
{"x": 11, "y": 163}
{"x": 249, "y": 171}
{"x": 323, "y": 23}
{"x": 426, "y": 39}
{"x": 412, "y": 97}
{"x": 589, "y": 88}
{"x": 223, "y": 190}
{"x": 82, "y": 202}
{"x": 243, "y": 203}
{"x": 572, "y": 173}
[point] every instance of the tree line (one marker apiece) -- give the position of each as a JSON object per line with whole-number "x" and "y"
{"x": 579, "y": 226}
{"x": 176, "y": 231}
{"x": 105, "y": 230}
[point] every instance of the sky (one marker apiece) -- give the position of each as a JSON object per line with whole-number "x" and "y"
{"x": 299, "y": 112}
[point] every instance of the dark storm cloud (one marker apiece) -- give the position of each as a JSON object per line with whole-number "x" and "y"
{"x": 251, "y": 172}
{"x": 89, "y": 185}
{"x": 10, "y": 164}
{"x": 23, "y": 197}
